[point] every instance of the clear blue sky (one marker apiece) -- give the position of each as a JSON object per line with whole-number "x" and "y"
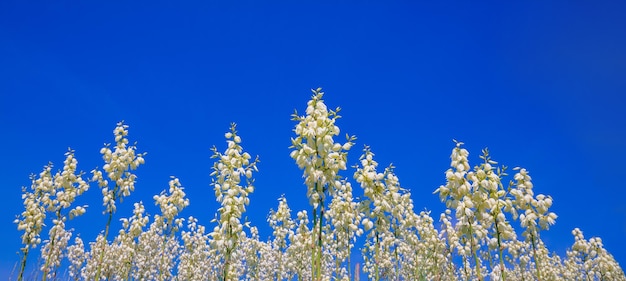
{"x": 542, "y": 85}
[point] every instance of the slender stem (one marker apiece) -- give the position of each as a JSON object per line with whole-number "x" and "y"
{"x": 20, "y": 276}
{"x": 475, "y": 253}
{"x": 319, "y": 241}
{"x": 533, "y": 242}
{"x": 500, "y": 247}
{"x": 51, "y": 248}
{"x": 349, "y": 254}
{"x": 106, "y": 234}
{"x": 314, "y": 245}
{"x": 376, "y": 258}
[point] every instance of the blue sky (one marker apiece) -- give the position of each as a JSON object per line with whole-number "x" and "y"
{"x": 541, "y": 84}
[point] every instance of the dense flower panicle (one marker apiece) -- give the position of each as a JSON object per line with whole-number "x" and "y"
{"x": 315, "y": 149}
{"x": 51, "y": 193}
{"x": 480, "y": 202}
{"x": 135, "y": 224}
{"x": 76, "y": 256}
{"x": 194, "y": 259}
{"x": 53, "y": 250}
{"x": 473, "y": 239}
{"x": 118, "y": 164}
{"x": 228, "y": 171}
{"x": 389, "y": 220}
{"x": 283, "y": 227}
{"x": 533, "y": 210}
{"x": 34, "y": 214}
{"x": 68, "y": 184}
{"x": 171, "y": 204}
{"x": 588, "y": 260}
{"x": 281, "y": 223}
{"x": 300, "y": 251}
{"x": 344, "y": 215}
{"x": 54, "y": 194}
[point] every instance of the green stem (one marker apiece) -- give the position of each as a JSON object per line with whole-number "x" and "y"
{"x": 533, "y": 242}
{"x": 319, "y": 241}
{"x": 101, "y": 256}
{"x": 376, "y": 258}
{"x": 349, "y": 254}
{"x": 52, "y": 240}
{"x": 475, "y": 253}
{"x": 503, "y": 274}
{"x": 20, "y": 276}
{"x": 45, "y": 268}
{"x": 313, "y": 245}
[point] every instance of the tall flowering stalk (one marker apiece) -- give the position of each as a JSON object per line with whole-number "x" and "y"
{"x": 54, "y": 194}
{"x": 300, "y": 249}
{"x": 465, "y": 197}
{"x": 493, "y": 201}
{"x": 283, "y": 226}
{"x": 194, "y": 259}
{"x": 344, "y": 215}
{"x": 67, "y": 185}
{"x": 132, "y": 228}
{"x": 589, "y": 260}
{"x": 471, "y": 244}
{"x": 118, "y": 164}
{"x": 386, "y": 211}
{"x": 33, "y": 216}
{"x": 321, "y": 158}
{"x": 171, "y": 204}
{"x": 228, "y": 171}
{"x": 533, "y": 213}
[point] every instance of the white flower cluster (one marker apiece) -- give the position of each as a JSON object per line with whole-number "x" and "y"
{"x": 281, "y": 223}
{"x": 473, "y": 240}
{"x": 282, "y": 227}
{"x": 300, "y": 251}
{"x": 118, "y": 165}
{"x": 230, "y": 168}
{"x": 588, "y": 260}
{"x": 344, "y": 215}
{"x": 171, "y": 205}
{"x": 54, "y": 194}
{"x": 535, "y": 214}
{"x": 480, "y": 202}
{"x": 193, "y": 263}
{"x": 389, "y": 217}
{"x": 315, "y": 149}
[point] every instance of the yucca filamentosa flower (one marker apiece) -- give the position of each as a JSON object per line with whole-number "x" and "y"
{"x": 388, "y": 210}
{"x": 232, "y": 167}
{"x": 589, "y": 260}
{"x": 320, "y": 158}
{"x": 344, "y": 215}
{"x": 533, "y": 216}
{"x": 282, "y": 227}
{"x": 195, "y": 262}
{"x": 460, "y": 194}
{"x": 479, "y": 200}
{"x": 315, "y": 149}
{"x": 118, "y": 166}
{"x": 53, "y": 193}
{"x": 473, "y": 239}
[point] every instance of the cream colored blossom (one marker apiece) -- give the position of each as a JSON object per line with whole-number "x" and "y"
{"x": 232, "y": 167}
